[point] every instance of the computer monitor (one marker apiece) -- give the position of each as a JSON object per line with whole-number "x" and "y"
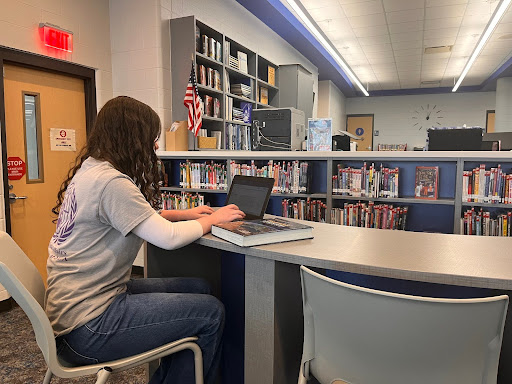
{"x": 455, "y": 139}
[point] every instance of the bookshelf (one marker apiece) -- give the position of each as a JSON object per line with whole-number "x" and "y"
{"x": 442, "y": 215}
{"x": 228, "y": 94}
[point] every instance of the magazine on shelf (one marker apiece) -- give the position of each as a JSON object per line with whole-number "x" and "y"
{"x": 242, "y": 61}
{"x": 319, "y": 134}
{"x": 427, "y": 183}
{"x": 248, "y": 233}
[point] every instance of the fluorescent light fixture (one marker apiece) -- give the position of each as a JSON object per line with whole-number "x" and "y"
{"x": 336, "y": 56}
{"x": 495, "y": 19}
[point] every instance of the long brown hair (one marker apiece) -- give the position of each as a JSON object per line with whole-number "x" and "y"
{"x": 124, "y": 134}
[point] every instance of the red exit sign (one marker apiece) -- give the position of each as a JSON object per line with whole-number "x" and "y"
{"x": 57, "y": 37}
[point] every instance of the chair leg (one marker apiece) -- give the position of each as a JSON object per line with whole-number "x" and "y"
{"x": 198, "y": 362}
{"x": 103, "y": 375}
{"x": 48, "y": 377}
{"x": 302, "y": 379}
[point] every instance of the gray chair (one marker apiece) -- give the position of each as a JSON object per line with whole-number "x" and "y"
{"x": 22, "y": 280}
{"x": 364, "y": 336}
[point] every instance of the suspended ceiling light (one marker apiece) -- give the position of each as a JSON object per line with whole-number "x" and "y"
{"x": 495, "y": 19}
{"x": 322, "y": 40}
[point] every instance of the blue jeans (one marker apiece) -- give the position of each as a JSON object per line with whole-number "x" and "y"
{"x": 153, "y": 312}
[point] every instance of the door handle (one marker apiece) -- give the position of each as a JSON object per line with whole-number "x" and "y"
{"x": 13, "y": 197}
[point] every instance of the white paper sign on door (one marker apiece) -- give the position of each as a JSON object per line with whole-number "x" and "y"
{"x": 62, "y": 139}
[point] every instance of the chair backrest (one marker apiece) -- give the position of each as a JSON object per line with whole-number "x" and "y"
{"x": 24, "y": 283}
{"x": 361, "y": 335}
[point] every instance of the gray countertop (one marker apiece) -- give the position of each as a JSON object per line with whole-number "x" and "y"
{"x": 473, "y": 261}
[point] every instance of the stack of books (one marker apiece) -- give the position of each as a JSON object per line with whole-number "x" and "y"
{"x": 369, "y": 215}
{"x": 238, "y": 114}
{"x": 233, "y": 62}
{"x": 241, "y": 90}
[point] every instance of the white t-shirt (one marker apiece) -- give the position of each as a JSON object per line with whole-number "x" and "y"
{"x": 93, "y": 249}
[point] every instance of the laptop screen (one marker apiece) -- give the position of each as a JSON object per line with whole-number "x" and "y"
{"x": 250, "y": 194}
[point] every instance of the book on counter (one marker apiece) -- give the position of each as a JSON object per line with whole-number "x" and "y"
{"x": 247, "y": 233}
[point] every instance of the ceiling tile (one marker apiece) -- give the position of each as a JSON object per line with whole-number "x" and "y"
{"x": 448, "y": 22}
{"x": 436, "y": 56}
{"x": 408, "y": 52}
{"x": 481, "y": 8}
{"x": 371, "y": 31}
{"x": 363, "y": 8}
{"x": 432, "y": 34}
{"x": 475, "y": 30}
{"x": 377, "y": 48}
{"x": 408, "y": 66}
{"x": 406, "y": 27}
{"x": 446, "y": 11}
{"x": 408, "y": 36}
{"x": 472, "y": 20}
{"x": 407, "y": 44}
{"x": 402, "y": 5}
{"x": 367, "y": 21}
{"x": 312, "y": 4}
{"x": 382, "y": 60}
{"x": 327, "y": 13}
{"x": 439, "y": 42}
{"x": 405, "y": 16}
{"x": 383, "y": 39}
{"x": 503, "y": 28}
{"x": 380, "y": 55}
{"x": 437, "y": 3}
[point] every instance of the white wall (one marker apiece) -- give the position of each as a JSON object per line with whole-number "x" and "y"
{"x": 90, "y": 24}
{"x": 331, "y": 103}
{"x": 393, "y": 115}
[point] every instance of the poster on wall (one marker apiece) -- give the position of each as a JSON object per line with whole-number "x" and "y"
{"x": 62, "y": 139}
{"x": 319, "y": 134}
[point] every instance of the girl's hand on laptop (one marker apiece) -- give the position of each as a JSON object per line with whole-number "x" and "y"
{"x": 221, "y": 215}
{"x": 201, "y": 211}
{"x": 228, "y": 213}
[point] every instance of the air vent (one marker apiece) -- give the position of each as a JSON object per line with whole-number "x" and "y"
{"x": 430, "y": 83}
{"x": 440, "y": 49}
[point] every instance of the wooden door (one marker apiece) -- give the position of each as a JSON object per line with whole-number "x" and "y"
{"x": 37, "y": 105}
{"x": 490, "y": 121}
{"x": 362, "y": 127}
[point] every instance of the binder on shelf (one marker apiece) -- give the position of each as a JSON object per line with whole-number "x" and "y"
{"x": 242, "y": 61}
{"x": 271, "y": 75}
{"x": 264, "y": 95}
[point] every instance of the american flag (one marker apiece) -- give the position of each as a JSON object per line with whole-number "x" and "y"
{"x": 194, "y": 104}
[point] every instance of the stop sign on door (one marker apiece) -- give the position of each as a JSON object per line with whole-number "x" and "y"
{"x": 16, "y": 168}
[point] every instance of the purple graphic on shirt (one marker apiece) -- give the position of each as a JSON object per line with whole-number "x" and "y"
{"x": 67, "y": 215}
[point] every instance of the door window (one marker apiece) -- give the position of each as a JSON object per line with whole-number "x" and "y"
{"x": 33, "y": 147}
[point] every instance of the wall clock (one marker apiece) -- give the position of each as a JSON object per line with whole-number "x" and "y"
{"x": 427, "y": 116}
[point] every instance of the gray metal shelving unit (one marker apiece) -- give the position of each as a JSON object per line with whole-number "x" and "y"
{"x": 183, "y": 53}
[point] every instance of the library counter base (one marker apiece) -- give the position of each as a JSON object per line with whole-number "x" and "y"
{"x": 260, "y": 286}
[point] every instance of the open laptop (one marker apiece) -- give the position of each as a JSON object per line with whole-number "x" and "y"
{"x": 250, "y": 194}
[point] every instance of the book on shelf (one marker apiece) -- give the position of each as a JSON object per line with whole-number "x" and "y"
{"x": 218, "y": 136}
{"x": 206, "y": 175}
{"x": 319, "y": 134}
{"x": 370, "y": 215}
{"x": 228, "y": 83}
{"x": 264, "y": 95}
{"x": 241, "y": 90}
{"x": 212, "y": 47}
{"x": 202, "y": 74}
{"x": 248, "y": 233}
{"x": 242, "y": 61}
{"x": 208, "y": 101}
{"x": 218, "y": 51}
{"x": 227, "y": 51}
{"x": 247, "y": 112}
{"x": 204, "y": 44}
{"x": 484, "y": 223}
{"x": 271, "y": 75}
{"x": 216, "y": 107}
{"x": 210, "y": 77}
{"x": 304, "y": 209}
{"x": 491, "y": 186}
{"x": 366, "y": 181}
{"x": 183, "y": 200}
{"x": 198, "y": 39}
{"x": 238, "y": 137}
{"x": 216, "y": 80}
{"x": 233, "y": 62}
{"x": 427, "y": 183}
{"x": 289, "y": 176}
